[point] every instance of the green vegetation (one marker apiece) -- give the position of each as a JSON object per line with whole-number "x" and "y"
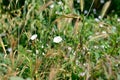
{"x": 58, "y": 40}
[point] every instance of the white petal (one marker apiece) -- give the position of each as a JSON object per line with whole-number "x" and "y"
{"x": 33, "y": 37}
{"x": 57, "y": 39}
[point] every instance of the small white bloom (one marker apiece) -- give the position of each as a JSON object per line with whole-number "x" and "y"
{"x": 9, "y": 49}
{"x": 52, "y": 6}
{"x": 78, "y": 1}
{"x": 100, "y": 17}
{"x": 82, "y": 74}
{"x": 116, "y": 65}
{"x": 42, "y": 46}
{"x": 96, "y": 47}
{"x": 84, "y": 48}
{"x": 56, "y": 12}
{"x": 69, "y": 48}
{"x": 65, "y": 7}
{"x": 74, "y": 53}
{"x": 29, "y": 51}
{"x": 34, "y": 54}
{"x": 90, "y": 37}
{"x": 97, "y": 33}
{"x": 85, "y": 12}
{"x": 118, "y": 19}
{"x": 113, "y": 29}
{"x": 57, "y": 39}
{"x": 62, "y": 7}
{"x": 85, "y": 64}
{"x": 43, "y": 53}
{"x": 97, "y": 20}
{"x": 59, "y": 13}
{"x": 94, "y": 11}
{"x": 47, "y": 45}
{"x": 2, "y": 34}
{"x": 28, "y": 79}
{"x": 102, "y": 1}
{"x": 37, "y": 51}
{"x": 101, "y": 25}
{"x": 104, "y": 32}
{"x": 60, "y": 3}
{"x": 33, "y": 37}
{"x": 102, "y": 46}
{"x": 77, "y": 62}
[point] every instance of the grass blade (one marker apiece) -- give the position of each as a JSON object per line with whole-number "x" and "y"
{"x": 81, "y": 5}
{"x": 105, "y": 8}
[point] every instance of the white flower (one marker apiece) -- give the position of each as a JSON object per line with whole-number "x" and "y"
{"x": 57, "y": 39}
{"x": 37, "y": 51}
{"x": 104, "y": 32}
{"x": 60, "y": 3}
{"x": 116, "y": 65}
{"x": 118, "y": 19}
{"x": 102, "y": 1}
{"x": 85, "y": 12}
{"x": 2, "y": 34}
{"x": 77, "y": 62}
{"x": 33, "y": 37}
{"x": 100, "y": 17}
{"x": 82, "y": 74}
{"x": 52, "y": 6}
{"x": 97, "y": 33}
{"x": 9, "y": 49}
{"x": 96, "y": 47}
{"x": 74, "y": 53}
{"x": 102, "y": 46}
{"x": 90, "y": 37}
{"x": 43, "y": 53}
{"x": 85, "y": 64}
{"x": 113, "y": 29}
{"x": 59, "y": 13}
{"x": 97, "y": 20}
{"x": 42, "y": 46}
{"x": 78, "y": 1}
{"x": 69, "y": 48}
{"x": 94, "y": 11}
{"x": 101, "y": 25}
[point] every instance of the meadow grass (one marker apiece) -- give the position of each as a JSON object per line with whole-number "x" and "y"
{"x": 50, "y": 40}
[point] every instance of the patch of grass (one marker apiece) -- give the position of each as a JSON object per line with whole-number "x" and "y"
{"x": 86, "y": 48}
